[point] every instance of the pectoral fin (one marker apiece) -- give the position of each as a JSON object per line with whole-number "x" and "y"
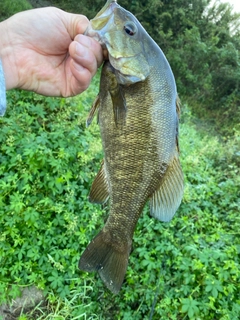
{"x": 93, "y": 110}
{"x": 116, "y": 92}
{"x": 99, "y": 191}
{"x": 166, "y": 200}
{"x": 119, "y": 105}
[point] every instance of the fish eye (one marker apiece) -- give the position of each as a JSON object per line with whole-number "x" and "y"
{"x": 130, "y": 28}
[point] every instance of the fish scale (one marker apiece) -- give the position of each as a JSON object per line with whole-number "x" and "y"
{"x": 137, "y": 110}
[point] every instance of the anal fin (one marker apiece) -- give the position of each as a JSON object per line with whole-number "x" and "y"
{"x": 167, "y": 198}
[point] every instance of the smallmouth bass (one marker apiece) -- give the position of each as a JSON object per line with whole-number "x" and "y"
{"x": 137, "y": 110}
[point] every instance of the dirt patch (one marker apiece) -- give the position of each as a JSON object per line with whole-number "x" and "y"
{"x": 31, "y": 297}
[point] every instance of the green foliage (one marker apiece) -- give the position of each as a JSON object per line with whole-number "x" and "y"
{"x": 45, "y": 173}
{"x": 186, "y": 269}
{"x": 8, "y": 7}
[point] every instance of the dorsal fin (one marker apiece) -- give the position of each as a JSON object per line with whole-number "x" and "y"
{"x": 178, "y": 108}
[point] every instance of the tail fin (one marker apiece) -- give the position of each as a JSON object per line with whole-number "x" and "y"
{"x": 110, "y": 263}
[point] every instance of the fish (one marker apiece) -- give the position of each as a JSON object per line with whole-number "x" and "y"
{"x": 138, "y": 114}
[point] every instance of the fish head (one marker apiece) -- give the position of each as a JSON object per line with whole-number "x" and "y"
{"x": 118, "y": 31}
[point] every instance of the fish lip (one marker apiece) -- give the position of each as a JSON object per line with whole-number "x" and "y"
{"x": 107, "y": 14}
{"x": 105, "y": 10}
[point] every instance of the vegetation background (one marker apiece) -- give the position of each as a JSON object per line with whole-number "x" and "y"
{"x": 186, "y": 269}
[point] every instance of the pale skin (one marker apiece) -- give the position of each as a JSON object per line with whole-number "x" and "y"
{"x": 44, "y": 50}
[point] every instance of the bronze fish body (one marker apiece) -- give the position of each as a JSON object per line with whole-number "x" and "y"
{"x": 138, "y": 117}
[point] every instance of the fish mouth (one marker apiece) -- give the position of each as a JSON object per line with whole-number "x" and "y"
{"x": 107, "y": 9}
{"x": 99, "y": 24}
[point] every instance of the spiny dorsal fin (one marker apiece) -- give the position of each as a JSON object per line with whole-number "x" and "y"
{"x": 99, "y": 191}
{"x": 93, "y": 110}
{"x": 166, "y": 200}
{"x": 178, "y": 108}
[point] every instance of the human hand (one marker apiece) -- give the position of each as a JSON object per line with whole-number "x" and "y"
{"x": 44, "y": 50}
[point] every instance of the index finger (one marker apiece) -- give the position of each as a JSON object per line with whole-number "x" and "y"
{"x": 92, "y": 45}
